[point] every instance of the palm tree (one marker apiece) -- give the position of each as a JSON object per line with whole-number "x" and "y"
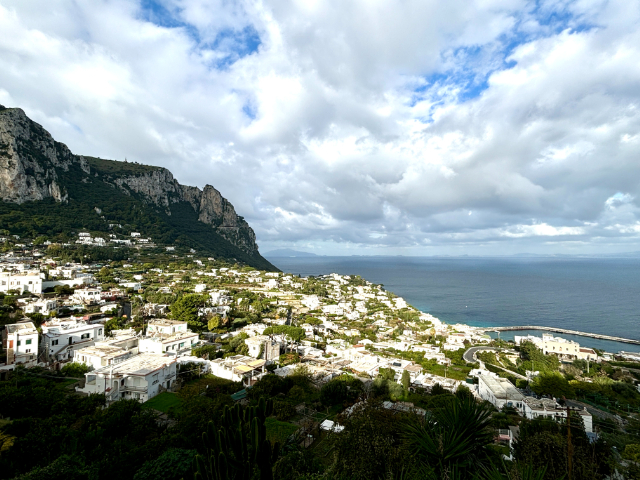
{"x": 453, "y": 439}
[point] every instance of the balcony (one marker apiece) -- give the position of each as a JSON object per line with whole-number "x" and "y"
{"x": 133, "y": 388}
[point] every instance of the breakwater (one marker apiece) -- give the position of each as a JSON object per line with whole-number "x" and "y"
{"x": 565, "y": 331}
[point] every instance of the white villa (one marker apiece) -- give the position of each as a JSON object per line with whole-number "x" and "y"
{"x": 20, "y": 341}
{"x": 62, "y": 337}
{"x": 141, "y": 377}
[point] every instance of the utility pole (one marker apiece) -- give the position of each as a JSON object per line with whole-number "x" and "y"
{"x": 569, "y": 445}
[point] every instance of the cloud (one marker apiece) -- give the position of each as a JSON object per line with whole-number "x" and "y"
{"x": 368, "y": 126}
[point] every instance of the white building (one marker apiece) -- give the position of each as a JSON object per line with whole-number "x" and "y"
{"x": 101, "y": 355}
{"x": 500, "y": 392}
{"x": 22, "y": 282}
{"x": 45, "y": 306}
{"x": 88, "y": 296}
{"x": 140, "y": 377}
{"x": 557, "y": 345}
{"x": 62, "y": 337}
{"x": 166, "y": 326}
{"x": 20, "y": 342}
{"x": 549, "y": 408}
{"x": 261, "y": 346}
{"x": 312, "y": 302}
{"x": 178, "y": 343}
{"x": 238, "y": 368}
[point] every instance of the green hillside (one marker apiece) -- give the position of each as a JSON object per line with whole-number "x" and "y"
{"x": 59, "y": 220}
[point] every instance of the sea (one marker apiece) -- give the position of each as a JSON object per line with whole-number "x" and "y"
{"x": 596, "y": 295}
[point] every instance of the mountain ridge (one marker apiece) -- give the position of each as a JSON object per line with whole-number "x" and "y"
{"x": 36, "y": 170}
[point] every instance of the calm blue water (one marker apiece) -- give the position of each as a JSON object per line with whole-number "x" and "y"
{"x": 590, "y": 295}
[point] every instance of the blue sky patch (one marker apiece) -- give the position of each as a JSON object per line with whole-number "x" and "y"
{"x": 230, "y": 44}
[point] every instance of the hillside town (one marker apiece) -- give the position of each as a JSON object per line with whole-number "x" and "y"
{"x": 138, "y": 329}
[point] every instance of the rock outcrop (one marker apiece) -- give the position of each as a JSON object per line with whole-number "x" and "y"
{"x": 29, "y": 158}
{"x": 32, "y": 166}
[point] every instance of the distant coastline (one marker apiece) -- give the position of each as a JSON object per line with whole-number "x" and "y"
{"x": 594, "y": 295}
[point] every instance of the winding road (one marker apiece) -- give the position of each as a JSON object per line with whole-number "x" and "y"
{"x": 470, "y": 357}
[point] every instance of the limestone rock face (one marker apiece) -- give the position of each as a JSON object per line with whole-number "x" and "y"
{"x": 32, "y": 164}
{"x": 217, "y": 211}
{"x": 29, "y": 158}
{"x": 159, "y": 186}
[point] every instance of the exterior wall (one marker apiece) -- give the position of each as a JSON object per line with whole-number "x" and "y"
{"x": 89, "y": 296}
{"x": 21, "y": 348}
{"x": 487, "y": 394}
{"x": 44, "y": 307}
{"x": 59, "y": 344}
{"x": 169, "y": 329}
{"x": 558, "y": 414}
{"x": 130, "y": 386}
{"x": 171, "y": 346}
{"x": 21, "y": 282}
{"x": 97, "y": 361}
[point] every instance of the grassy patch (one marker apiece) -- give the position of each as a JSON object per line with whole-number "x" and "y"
{"x": 163, "y": 402}
{"x": 278, "y": 431}
{"x": 457, "y": 373}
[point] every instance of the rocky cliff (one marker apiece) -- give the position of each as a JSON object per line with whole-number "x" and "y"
{"x": 34, "y": 167}
{"x": 29, "y": 158}
{"x": 159, "y": 187}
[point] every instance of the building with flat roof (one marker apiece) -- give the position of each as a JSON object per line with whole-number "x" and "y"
{"x": 61, "y": 338}
{"x": 140, "y": 377}
{"x": 101, "y": 355}
{"x": 500, "y": 392}
{"x": 22, "y": 282}
{"x": 238, "y": 368}
{"x": 20, "y": 342}
{"x": 549, "y": 408}
{"x": 170, "y": 344}
{"x": 166, "y": 326}
{"x": 262, "y": 346}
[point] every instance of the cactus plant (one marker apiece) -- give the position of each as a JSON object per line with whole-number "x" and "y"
{"x": 239, "y": 446}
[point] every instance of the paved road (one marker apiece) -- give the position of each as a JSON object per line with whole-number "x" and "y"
{"x": 470, "y": 355}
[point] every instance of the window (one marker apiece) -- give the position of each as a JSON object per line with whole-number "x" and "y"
{"x": 28, "y": 342}
{"x": 84, "y": 335}
{"x": 54, "y": 342}
{"x": 28, "y": 350}
{"x": 181, "y": 345}
{"x": 19, "y": 342}
{"x": 100, "y": 332}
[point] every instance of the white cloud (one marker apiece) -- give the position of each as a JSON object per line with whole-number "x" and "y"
{"x": 380, "y": 125}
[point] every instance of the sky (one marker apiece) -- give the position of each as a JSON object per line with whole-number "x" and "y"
{"x": 399, "y": 127}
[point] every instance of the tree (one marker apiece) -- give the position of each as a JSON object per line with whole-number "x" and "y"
{"x": 543, "y": 442}
{"x": 463, "y": 393}
{"x": 213, "y": 322}
{"x": 406, "y": 381}
{"x": 369, "y": 447}
{"x": 74, "y": 369}
{"x": 456, "y": 437}
{"x": 553, "y": 384}
{"x": 187, "y": 309}
{"x": 205, "y": 351}
{"x": 115, "y": 323}
{"x": 333, "y": 392}
{"x": 295, "y": 334}
{"x": 438, "y": 389}
{"x": 173, "y": 464}
{"x": 63, "y": 290}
